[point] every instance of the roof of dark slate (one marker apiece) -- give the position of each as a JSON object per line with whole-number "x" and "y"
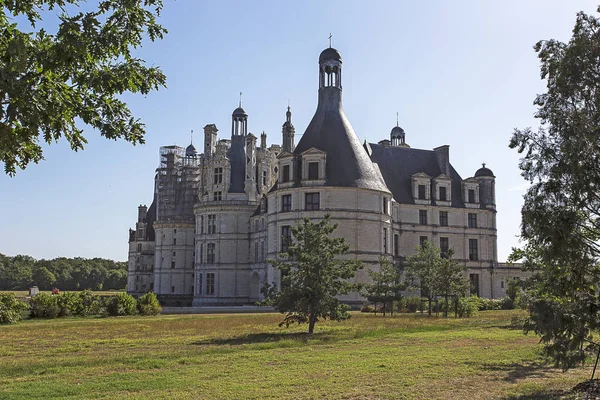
{"x": 484, "y": 172}
{"x": 190, "y": 150}
{"x": 399, "y": 164}
{"x": 330, "y": 54}
{"x": 239, "y": 112}
{"x": 150, "y": 218}
{"x": 237, "y": 161}
{"x": 348, "y": 164}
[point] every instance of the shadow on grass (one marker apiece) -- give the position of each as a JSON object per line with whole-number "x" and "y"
{"x": 256, "y": 338}
{"x": 516, "y": 371}
{"x": 541, "y": 395}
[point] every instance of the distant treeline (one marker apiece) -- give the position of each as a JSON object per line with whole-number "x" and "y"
{"x": 21, "y": 272}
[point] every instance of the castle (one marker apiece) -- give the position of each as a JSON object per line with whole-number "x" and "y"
{"x": 217, "y": 217}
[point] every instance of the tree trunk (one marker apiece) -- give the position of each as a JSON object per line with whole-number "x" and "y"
{"x": 311, "y": 323}
{"x": 446, "y": 309}
{"x": 429, "y": 301}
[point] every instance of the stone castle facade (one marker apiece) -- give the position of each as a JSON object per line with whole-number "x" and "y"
{"x": 217, "y": 216}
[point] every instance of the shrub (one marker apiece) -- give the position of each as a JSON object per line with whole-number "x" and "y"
{"x": 148, "y": 304}
{"x": 467, "y": 307}
{"x": 44, "y": 306}
{"x": 507, "y": 304}
{"x": 121, "y": 304}
{"x": 88, "y": 304}
{"x": 413, "y": 304}
{"x": 68, "y": 303}
{"x": 11, "y": 309}
{"x": 366, "y": 308}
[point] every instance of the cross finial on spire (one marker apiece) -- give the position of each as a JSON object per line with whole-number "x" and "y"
{"x": 396, "y": 118}
{"x": 330, "y": 39}
{"x": 192, "y": 137}
{"x": 240, "y": 99}
{"x": 483, "y": 165}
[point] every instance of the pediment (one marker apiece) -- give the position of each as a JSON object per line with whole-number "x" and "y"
{"x": 313, "y": 151}
{"x": 284, "y": 154}
{"x": 442, "y": 177}
{"x": 421, "y": 175}
{"x": 470, "y": 180}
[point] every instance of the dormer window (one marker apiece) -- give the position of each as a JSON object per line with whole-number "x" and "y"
{"x": 471, "y": 195}
{"x": 286, "y": 174}
{"x": 443, "y": 196}
{"x": 313, "y": 171}
{"x": 422, "y": 192}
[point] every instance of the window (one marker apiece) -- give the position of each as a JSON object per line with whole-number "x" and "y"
{"x": 396, "y": 245}
{"x": 472, "y": 220}
{"x": 471, "y": 193}
{"x": 423, "y": 217}
{"x": 443, "y": 218}
{"x": 286, "y": 237}
{"x": 422, "y": 240}
{"x": 474, "y": 284}
{"x": 192, "y": 288}
{"x": 139, "y": 247}
{"x": 217, "y": 196}
{"x": 264, "y": 178}
{"x": 218, "y": 175}
{"x": 210, "y": 283}
{"x": 443, "y": 193}
{"x": 172, "y": 264}
{"x": 444, "y": 246}
{"x": 313, "y": 171}
{"x": 473, "y": 255}
{"x": 501, "y": 284}
{"x": 201, "y": 254}
{"x": 385, "y": 239}
{"x": 256, "y": 251}
{"x": 174, "y": 254}
{"x": 311, "y": 201}
{"x": 172, "y": 289}
{"x": 421, "y": 192}
{"x": 385, "y": 205}
{"x": 286, "y": 203}
{"x": 286, "y": 174}
{"x": 262, "y": 251}
{"x": 212, "y": 223}
{"x": 174, "y": 241}
{"x": 202, "y": 224}
{"x": 199, "y": 283}
{"x": 210, "y": 253}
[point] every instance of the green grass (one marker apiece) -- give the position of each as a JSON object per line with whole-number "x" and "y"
{"x": 247, "y": 356}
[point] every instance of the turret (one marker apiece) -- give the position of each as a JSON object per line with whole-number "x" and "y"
{"x": 288, "y": 131}
{"x": 210, "y": 140}
{"x": 487, "y": 187}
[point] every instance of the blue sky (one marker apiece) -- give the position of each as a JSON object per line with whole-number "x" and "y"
{"x": 461, "y": 73}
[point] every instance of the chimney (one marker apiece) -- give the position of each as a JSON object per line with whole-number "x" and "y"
{"x": 442, "y": 154}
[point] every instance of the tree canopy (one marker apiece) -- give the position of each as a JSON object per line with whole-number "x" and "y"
{"x": 560, "y": 216}
{"x": 20, "y": 272}
{"x": 51, "y": 82}
{"x": 386, "y": 286}
{"x": 312, "y": 275}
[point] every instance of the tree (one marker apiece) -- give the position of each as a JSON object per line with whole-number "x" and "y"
{"x": 312, "y": 276}
{"x": 44, "y": 278}
{"x": 421, "y": 269}
{"x": 561, "y": 212}
{"x": 450, "y": 278}
{"x": 50, "y": 82}
{"x": 386, "y": 287}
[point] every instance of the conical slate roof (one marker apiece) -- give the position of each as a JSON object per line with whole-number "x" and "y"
{"x": 348, "y": 164}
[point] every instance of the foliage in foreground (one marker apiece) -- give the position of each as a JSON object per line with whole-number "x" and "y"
{"x": 11, "y": 309}
{"x": 50, "y": 83}
{"x": 148, "y": 304}
{"x": 561, "y": 212}
{"x": 312, "y": 276}
{"x": 386, "y": 288}
{"x": 121, "y": 304}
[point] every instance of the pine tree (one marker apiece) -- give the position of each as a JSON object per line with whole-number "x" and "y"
{"x": 312, "y": 276}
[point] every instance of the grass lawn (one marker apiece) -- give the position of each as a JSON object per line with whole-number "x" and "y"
{"x": 246, "y": 356}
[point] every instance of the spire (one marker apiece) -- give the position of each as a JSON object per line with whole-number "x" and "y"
{"x": 240, "y": 100}
{"x": 192, "y": 137}
{"x": 330, "y": 39}
{"x": 396, "y": 118}
{"x": 288, "y": 131}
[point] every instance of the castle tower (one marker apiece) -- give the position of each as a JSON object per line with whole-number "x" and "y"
{"x": 288, "y": 131}
{"x": 487, "y": 187}
{"x": 250, "y": 182}
{"x": 237, "y": 151}
{"x": 210, "y": 140}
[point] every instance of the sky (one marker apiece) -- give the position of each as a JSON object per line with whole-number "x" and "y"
{"x": 460, "y": 73}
